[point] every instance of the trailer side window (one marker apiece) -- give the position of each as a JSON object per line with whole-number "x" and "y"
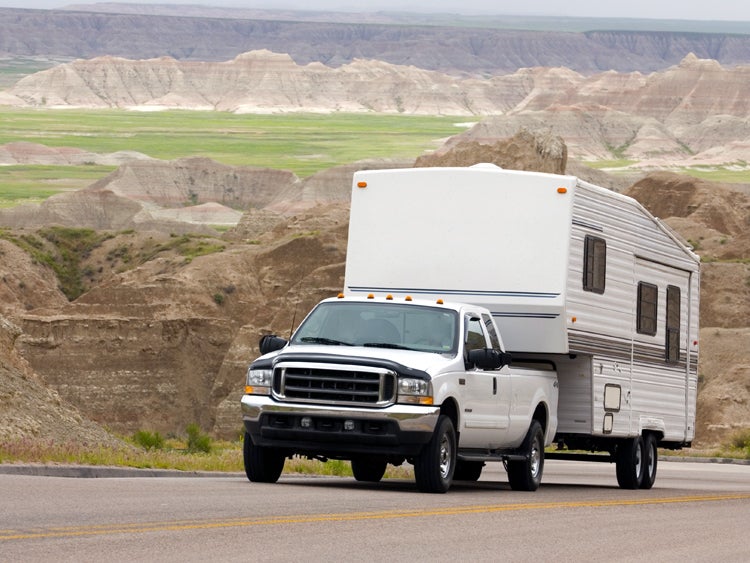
{"x": 648, "y": 297}
{"x": 594, "y": 264}
{"x": 673, "y": 325}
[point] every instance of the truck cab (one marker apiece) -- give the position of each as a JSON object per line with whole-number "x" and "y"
{"x": 380, "y": 380}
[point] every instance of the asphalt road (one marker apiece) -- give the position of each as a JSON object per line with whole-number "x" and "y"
{"x": 695, "y": 512}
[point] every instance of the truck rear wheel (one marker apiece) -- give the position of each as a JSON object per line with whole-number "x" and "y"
{"x": 434, "y": 466}
{"x": 650, "y": 459}
{"x": 262, "y": 465}
{"x": 368, "y": 469}
{"x": 630, "y": 463}
{"x": 526, "y": 475}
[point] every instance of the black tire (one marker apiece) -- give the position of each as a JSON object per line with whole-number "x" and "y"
{"x": 262, "y": 465}
{"x": 650, "y": 460}
{"x": 630, "y": 463}
{"x": 468, "y": 470}
{"x": 368, "y": 469}
{"x": 526, "y": 475}
{"x": 434, "y": 466}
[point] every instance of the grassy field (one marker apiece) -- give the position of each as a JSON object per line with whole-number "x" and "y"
{"x": 303, "y": 143}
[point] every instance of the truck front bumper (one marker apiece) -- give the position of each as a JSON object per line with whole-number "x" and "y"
{"x": 338, "y": 431}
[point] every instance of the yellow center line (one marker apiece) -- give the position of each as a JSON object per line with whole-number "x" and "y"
{"x": 184, "y": 525}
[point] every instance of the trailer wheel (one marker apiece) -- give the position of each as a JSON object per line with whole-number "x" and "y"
{"x": 526, "y": 475}
{"x": 468, "y": 470}
{"x": 650, "y": 459}
{"x": 434, "y": 466}
{"x": 630, "y": 463}
{"x": 368, "y": 469}
{"x": 262, "y": 465}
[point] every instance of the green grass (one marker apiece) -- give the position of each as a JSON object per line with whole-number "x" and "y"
{"x": 302, "y": 143}
{"x": 34, "y": 183}
{"x": 148, "y": 450}
{"x": 740, "y": 174}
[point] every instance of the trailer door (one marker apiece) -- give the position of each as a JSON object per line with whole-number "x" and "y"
{"x": 660, "y": 376}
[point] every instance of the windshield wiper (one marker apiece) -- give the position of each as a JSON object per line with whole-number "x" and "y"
{"x": 327, "y": 341}
{"x": 386, "y": 345}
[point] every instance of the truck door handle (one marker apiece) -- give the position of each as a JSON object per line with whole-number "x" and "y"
{"x": 494, "y": 385}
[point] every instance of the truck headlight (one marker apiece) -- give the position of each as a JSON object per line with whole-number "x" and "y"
{"x": 258, "y": 381}
{"x": 415, "y": 391}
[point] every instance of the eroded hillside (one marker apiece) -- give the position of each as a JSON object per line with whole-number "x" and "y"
{"x": 164, "y": 330}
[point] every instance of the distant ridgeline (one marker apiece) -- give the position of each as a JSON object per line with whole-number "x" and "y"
{"x": 457, "y": 44}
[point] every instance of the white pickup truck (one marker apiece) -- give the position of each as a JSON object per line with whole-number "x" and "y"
{"x": 381, "y": 380}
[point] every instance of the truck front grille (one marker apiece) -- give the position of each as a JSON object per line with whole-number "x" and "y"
{"x": 334, "y": 384}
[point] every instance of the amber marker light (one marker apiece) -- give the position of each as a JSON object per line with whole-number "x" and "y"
{"x": 407, "y": 298}
{"x": 562, "y": 190}
{"x": 574, "y": 319}
{"x": 361, "y": 184}
{"x": 371, "y": 296}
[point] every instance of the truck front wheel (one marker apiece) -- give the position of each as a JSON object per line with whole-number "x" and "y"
{"x": 262, "y": 465}
{"x": 434, "y": 466}
{"x": 630, "y": 463}
{"x": 526, "y": 475}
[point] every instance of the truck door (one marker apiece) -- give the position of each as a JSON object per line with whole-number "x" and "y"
{"x": 486, "y": 408}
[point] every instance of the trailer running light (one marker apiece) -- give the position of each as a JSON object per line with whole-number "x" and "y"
{"x": 361, "y": 184}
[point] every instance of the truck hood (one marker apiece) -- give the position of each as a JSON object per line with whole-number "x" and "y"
{"x": 425, "y": 361}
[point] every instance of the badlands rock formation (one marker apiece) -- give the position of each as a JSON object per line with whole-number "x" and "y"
{"x": 673, "y": 114}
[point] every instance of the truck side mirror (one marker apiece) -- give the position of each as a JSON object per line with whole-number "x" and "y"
{"x": 271, "y": 343}
{"x": 489, "y": 359}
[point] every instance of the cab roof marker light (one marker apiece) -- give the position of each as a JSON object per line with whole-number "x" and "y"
{"x": 439, "y": 302}
{"x": 340, "y": 296}
{"x": 407, "y": 298}
{"x": 371, "y": 296}
{"x": 389, "y": 297}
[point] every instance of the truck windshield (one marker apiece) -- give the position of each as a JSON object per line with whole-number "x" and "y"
{"x": 378, "y": 324}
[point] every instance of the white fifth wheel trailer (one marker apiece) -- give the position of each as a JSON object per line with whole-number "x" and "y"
{"x": 574, "y": 274}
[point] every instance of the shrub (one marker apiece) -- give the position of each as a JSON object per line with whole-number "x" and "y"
{"x": 197, "y": 441}
{"x": 149, "y": 440}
